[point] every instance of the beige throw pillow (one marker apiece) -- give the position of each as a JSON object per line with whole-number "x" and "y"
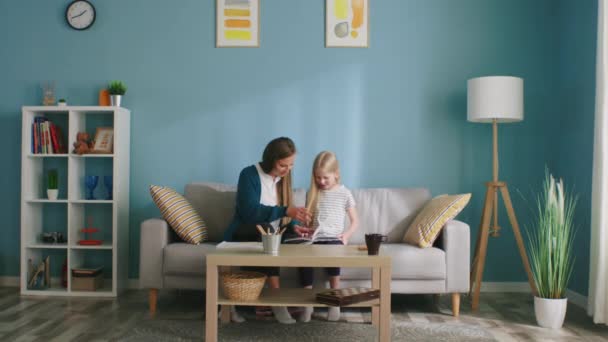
{"x": 179, "y": 214}
{"x": 429, "y": 222}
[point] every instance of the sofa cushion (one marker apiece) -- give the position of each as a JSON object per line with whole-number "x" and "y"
{"x": 387, "y": 211}
{"x": 408, "y": 262}
{"x": 428, "y": 223}
{"x": 179, "y": 214}
{"x": 215, "y": 202}
{"x": 185, "y": 259}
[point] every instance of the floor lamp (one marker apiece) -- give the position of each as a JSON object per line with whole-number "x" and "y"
{"x": 495, "y": 99}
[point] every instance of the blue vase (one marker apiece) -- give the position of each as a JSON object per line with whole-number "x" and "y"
{"x": 90, "y": 182}
{"x": 107, "y": 181}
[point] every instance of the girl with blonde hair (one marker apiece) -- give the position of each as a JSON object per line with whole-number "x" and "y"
{"x": 329, "y": 202}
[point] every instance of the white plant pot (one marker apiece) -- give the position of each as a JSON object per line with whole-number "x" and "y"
{"x": 62, "y": 104}
{"x": 52, "y": 194}
{"x": 550, "y": 313}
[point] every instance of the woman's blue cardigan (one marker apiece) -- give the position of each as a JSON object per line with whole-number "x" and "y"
{"x": 249, "y": 210}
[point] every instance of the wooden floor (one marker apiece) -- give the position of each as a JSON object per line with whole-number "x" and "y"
{"x": 506, "y": 316}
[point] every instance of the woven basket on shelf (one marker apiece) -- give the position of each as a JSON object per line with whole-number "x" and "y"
{"x": 243, "y": 285}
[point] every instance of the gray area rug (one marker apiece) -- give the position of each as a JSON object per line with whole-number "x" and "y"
{"x": 262, "y": 331}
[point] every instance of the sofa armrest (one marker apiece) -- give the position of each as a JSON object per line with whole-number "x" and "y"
{"x": 456, "y": 244}
{"x": 154, "y": 236}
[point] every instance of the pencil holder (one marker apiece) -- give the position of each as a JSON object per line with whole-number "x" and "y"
{"x": 271, "y": 243}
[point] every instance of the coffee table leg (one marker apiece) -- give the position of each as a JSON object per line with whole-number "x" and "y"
{"x": 385, "y": 304}
{"x": 225, "y": 309}
{"x": 375, "y": 285}
{"x": 211, "y": 304}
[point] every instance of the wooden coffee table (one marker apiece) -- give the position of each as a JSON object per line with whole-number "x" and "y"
{"x": 299, "y": 256}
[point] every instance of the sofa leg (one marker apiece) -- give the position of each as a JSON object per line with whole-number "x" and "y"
{"x": 152, "y": 300}
{"x": 455, "y": 304}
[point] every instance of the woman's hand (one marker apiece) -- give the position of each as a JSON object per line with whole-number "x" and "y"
{"x": 300, "y": 214}
{"x": 303, "y": 231}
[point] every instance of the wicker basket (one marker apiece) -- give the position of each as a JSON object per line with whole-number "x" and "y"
{"x": 243, "y": 285}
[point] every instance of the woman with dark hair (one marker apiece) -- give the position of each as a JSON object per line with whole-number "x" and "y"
{"x": 265, "y": 196}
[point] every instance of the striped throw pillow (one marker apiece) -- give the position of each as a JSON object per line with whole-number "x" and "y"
{"x": 429, "y": 222}
{"x": 179, "y": 214}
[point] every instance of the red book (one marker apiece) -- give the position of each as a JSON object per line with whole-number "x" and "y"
{"x": 60, "y": 144}
{"x": 54, "y": 138}
{"x": 35, "y": 133}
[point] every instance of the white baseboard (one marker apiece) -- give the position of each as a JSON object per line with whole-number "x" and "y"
{"x": 9, "y": 281}
{"x": 133, "y": 284}
{"x": 489, "y": 286}
{"x": 14, "y": 282}
{"x": 574, "y": 297}
{"x": 577, "y": 299}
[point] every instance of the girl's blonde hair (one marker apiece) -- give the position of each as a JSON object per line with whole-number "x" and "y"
{"x": 325, "y": 162}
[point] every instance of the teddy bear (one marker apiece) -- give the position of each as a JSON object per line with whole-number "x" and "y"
{"x": 83, "y": 143}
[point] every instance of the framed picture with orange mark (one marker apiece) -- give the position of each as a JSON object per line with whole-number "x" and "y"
{"x": 346, "y": 23}
{"x": 237, "y": 23}
{"x": 104, "y": 140}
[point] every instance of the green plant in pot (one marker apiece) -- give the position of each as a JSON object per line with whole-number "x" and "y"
{"x": 551, "y": 255}
{"x": 52, "y": 189}
{"x": 116, "y": 89}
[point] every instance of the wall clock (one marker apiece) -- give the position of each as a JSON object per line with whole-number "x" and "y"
{"x": 80, "y": 15}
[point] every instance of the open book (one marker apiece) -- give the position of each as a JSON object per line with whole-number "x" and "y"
{"x": 308, "y": 240}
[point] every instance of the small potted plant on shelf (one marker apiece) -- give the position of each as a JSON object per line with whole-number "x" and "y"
{"x": 52, "y": 186}
{"x": 62, "y": 103}
{"x": 551, "y": 253}
{"x": 116, "y": 89}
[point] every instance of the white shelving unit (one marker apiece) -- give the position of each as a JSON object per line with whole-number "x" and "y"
{"x": 72, "y": 211}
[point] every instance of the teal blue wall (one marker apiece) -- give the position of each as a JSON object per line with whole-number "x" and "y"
{"x": 395, "y": 113}
{"x": 574, "y": 137}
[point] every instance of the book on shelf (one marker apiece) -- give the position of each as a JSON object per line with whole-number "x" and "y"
{"x": 40, "y": 275}
{"x": 46, "y": 137}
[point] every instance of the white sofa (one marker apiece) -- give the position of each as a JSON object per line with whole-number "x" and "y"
{"x": 167, "y": 263}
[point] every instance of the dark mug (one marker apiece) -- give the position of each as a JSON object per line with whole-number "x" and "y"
{"x": 373, "y": 243}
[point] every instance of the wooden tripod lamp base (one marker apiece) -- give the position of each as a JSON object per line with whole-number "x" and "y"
{"x": 481, "y": 246}
{"x": 494, "y": 99}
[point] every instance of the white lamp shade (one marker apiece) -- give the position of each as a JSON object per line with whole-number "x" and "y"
{"x": 495, "y": 97}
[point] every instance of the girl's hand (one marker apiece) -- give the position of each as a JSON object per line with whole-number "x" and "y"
{"x": 302, "y": 231}
{"x": 345, "y": 237}
{"x": 300, "y": 214}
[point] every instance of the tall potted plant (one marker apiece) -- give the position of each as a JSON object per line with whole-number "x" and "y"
{"x": 116, "y": 89}
{"x": 551, "y": 255}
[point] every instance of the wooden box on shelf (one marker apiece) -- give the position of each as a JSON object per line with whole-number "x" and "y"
{"x": 87, "y": 279}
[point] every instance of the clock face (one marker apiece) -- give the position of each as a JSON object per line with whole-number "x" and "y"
{"x": 80, "y": 15}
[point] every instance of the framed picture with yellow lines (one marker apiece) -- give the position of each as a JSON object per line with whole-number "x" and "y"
{"x": 237, "y": 23}
{"x": 346, "y": 23}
